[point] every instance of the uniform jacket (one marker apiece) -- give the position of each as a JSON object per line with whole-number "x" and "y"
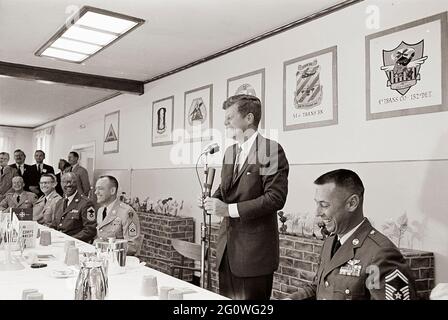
{"x": 42, "y": 212}
{"x": 6, "y": 180}
{"x": 122, "y": 223}
{"x": 367, "y": 266}
{"x": 260, "y": 190}
{"x": 27, "y": 175}
{"x": 78, "y": 220}
{"x": 27, "y": 200}
{"x": 83, "y": 178}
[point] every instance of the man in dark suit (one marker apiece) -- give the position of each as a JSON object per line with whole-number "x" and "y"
{"x": 357, "y": 261}
{"x": 37, "y": 170}
{"x": 74, "y": 214}
{"x": 62, "y": 165}
{"x": 23, "y": 169}
{"x": 81, "y": 172}
{"x": 6, "y": 175}
{"x": 254, "y": 185}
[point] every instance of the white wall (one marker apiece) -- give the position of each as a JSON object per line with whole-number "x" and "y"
{"x": 396, "y": 157}
{"x": 21, "y": 139}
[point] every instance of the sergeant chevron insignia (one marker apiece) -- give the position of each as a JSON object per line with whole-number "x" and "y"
{"x": 91, "y": 214}
{"x": 397, "y": 286}
{"x": 132, "y": 229}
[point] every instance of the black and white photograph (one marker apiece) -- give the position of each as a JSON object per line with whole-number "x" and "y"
{"x": 223, "y": 159}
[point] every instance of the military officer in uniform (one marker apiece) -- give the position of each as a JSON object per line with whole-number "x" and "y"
{"x": 116, "y": 219}
{"x": 357, "y": 261}
{"x": 44, "y": 206}
{"x": 74, "y": 214}
{"x": 18, "y": 198}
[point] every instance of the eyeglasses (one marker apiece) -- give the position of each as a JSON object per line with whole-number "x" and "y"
{"x": 46, "y": 182}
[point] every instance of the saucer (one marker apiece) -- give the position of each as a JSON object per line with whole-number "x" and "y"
{"x": 63, "y": 273}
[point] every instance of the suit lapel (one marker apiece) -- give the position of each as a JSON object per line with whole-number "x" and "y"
{"x": 251, "y": 158}
{"x": 347, "y": 251}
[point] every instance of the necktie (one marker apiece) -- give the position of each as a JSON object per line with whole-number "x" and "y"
{"x": 65, "y": 204}
{"x": 18, "y": 199}
{"x": 104, "y": 213}
{"x": 45, "y": 200}
{"x": 336, "y": 246}
{"x": 1, "y": 171}
{"x": 237, "y": 163}
{"x": 21, "y": 170}
{"x": 39, "y": 170}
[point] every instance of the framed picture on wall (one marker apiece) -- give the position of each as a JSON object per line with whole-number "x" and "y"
{"x": 249, "y": 83}
{"x": 406, "y": 69}
{"x": 111, "y": 137}
{"x": 310, "y": 90}
{"x": 198, "y": 117}
{"x": 162, "y": 122}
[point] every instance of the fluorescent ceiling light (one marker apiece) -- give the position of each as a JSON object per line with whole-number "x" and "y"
{"x": 105, "y": 22}
{"x": 87, "y": 33}
{"x": 73, "y": 45}
{"x": 64, "y": 55}
{"x": 77, "y": 33}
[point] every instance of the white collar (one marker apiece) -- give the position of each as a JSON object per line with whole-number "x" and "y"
{"x": 70, "y": 199}
{"x": 349, "y": 234}
{"x": 246, "y": 145}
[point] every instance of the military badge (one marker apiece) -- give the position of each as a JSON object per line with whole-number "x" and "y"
{"x": 308, "y": 91}
{"x": 402, "y": 66}
{"x": 132, "y": 229}
{"x": 397, "y": 286}
{"x": 91, "y": 214}
{"x": 352, "y": 268}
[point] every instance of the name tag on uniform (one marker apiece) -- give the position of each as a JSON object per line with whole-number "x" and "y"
{"x": 74, "y": 211}
{"x": 352, "y": 268}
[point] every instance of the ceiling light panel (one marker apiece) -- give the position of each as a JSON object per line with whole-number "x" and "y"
{"x": 87, "y": 33}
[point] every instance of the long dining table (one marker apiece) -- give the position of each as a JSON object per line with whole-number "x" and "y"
{"x": 57, "y": 285}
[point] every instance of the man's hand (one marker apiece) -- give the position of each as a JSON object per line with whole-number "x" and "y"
{"x": 200, "y": 202}
{"x": 216, "y": 207}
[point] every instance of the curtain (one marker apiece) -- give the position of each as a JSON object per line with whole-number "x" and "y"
{"x": 43, "y": 140}
{"x": 7, "y": 140}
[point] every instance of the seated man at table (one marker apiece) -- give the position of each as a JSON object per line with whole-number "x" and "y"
{"x": 357, "y": 261}
{"x": 18, "y": 198}
{"x": 74, "y": 215}
{"x": 116, "y": 219}
{"x": 44, "y": 206}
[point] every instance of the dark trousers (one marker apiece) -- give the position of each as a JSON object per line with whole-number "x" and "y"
{"x": 243, "y": 288}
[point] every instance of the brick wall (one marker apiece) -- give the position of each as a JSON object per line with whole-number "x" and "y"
{"x": 157, "y": 251}
{"x": 298, "y": 264}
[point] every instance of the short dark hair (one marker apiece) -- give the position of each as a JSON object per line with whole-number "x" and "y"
{"x": 40, "y": 151}
{"x": 66, "y": 164}
{"x": 21, "y": 151}
{"x": 246, "y": 104}
{"x": 75, "y": 154}
{"x": 112, "y": 179}
{"x": 49, "y": 175}
{"x": 343, "y": 178}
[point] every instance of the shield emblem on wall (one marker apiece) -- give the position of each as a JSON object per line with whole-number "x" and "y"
{"x": 308, "y": 91}
{"x": 402, "y": 66}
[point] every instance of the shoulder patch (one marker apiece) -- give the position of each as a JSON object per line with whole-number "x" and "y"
{"x": 132, "y": 229}
{"x": 397, "y": 286}
{"x": 91, "y": 214}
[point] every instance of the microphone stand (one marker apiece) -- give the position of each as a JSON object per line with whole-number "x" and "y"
{"x": 205, "y": 231}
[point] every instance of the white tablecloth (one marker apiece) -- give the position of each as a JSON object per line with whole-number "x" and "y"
{"x": 125, "y": 286}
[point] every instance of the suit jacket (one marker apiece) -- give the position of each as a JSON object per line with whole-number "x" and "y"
{"x": 6, "y": 181}
{"x": 27, "y": 200}
{"x": 83, "y": 178}
{"x": 42, "y": 212}
{"x": 260, "y": 190}
{"x": 367, "y": 266}
{"x": 35, "y": 175}
{"x": 77, "y": 220}
{"x": 27, "y": 175}
{"x": 122, "y": 223}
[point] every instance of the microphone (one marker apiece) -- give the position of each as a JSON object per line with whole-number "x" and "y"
{"x": 213, "y": 148}
{"x": 209, "y": 183}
